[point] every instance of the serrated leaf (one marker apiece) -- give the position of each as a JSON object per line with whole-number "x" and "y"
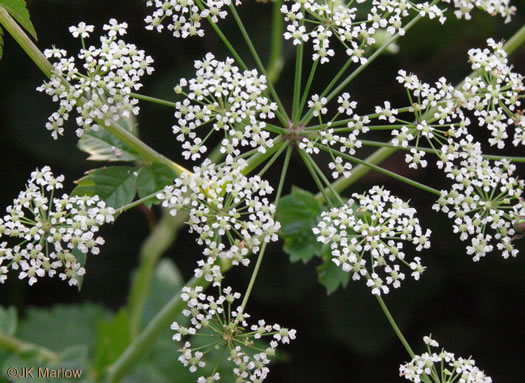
{"x": 101, "y": 145}
{"x": 152, "y": 179}
{"x": 65, "y": 326}
{"x": 330, "y": 275}
{"x": 298, "y": 212}
{"x": 112, "y": 339}
{"x": 18, "y": 9}
{"x": 113, "y": 184}
{"x": 8, "y": 321}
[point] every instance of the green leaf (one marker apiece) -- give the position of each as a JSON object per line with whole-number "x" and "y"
{"x": 330, "y": 275}
{"x": 18, "y": 9}
{"x": 112, "y": 339}
{"x": 114, "y": 184}
{"x": 8, "y": 321}
{"x": 104, "y": 146}
{"x": 298, "y": 212}
{"x": 65, "y": 326}
{"x": 152, "y": 179}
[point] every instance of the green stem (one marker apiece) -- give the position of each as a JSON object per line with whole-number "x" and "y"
{"x": 306, "y": 90}
{"x": 276, "y": 61}
{"x": 259, "y": 64}
{"x": 515, "y": 41}
{"x": 226, "y": 42}
{"x": 297, "y": 82}
{"x": 381, "y": 144}
{"x": 146, "y": 152}
{"x": 263, "y": 247}
{"x": 154, "y": 100}
{"x": 337, "y": 187}
{"x": 143, "y": 342}
{"x": 153, "y": 247}
{"x": 18, "y": 346}
{"x": 394, "y": 326}
{"x": 259, "y": 157}
{"x": 25, "y": 42}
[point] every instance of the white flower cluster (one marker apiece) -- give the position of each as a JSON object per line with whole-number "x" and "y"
{"x": 438, "y": 120}
{"x": 185, "y": 16}
{"x": 442, "y": 367}
{"x": 229, "y": 212}
{"x": 226, "y": 329}
{"x": 502, "y": 8}
{"x": 48, "y": 229}
{"x": 484, "y": 201}
{"x": 227, "y": 99}
{"x": 441, "y": 112}
{"x": 102, "y": 93}
{"x": 494, "y": 94}
{"x": 376, "y": 223}
{"x": 337, "y": 140}
{"x": 334, "y": 20}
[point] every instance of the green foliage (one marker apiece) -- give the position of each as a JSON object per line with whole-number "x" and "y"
{"x": 65, "y": 326}
{"x": 330, "y": 275}
{"x": 18, "y": 10}
{"x": 104, "y": 146}
{"x": 8, "y": 321}
{"x": 114, "y": 184}
{"x": 152, "y": 179}
{"x": 298, "y": 212}
{"x": 112, "y": 339}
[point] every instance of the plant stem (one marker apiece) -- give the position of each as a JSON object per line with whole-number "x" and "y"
{"x": 263, "y": 247}
{"x": 260, "y": 66}
{"x": 146, "y": 152}
{"x": 297, "y": 82}
{"x": 18, "y": 346}
{"x": 394, "y": 326}
{"x": 25, "y": 42}
{"x": 276, "y": 61}
{"x": 153, "y": 100}
{"x": 152, "y": 248}
{"x": 138, "y": 347}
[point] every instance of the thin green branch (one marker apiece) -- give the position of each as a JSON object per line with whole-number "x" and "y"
{"x": 12, "y": 344}
{"x": 259, "y": 64}
{"x": 395, "y": 326}
{"x": 276, "y": 61}
{"x": 158, "y": 241}
{"x": 153, "y": 100}
{"x": 143, "y": 342}
{"x": 263, "y": 247}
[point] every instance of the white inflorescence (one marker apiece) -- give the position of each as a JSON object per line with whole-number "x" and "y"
{"x": 47, "y": 229}
{"x": 442, "y": 365}
{"x": 101, "y": 94}
{"x": 484, "y": 201}
{"x": 228, "y": 211}
{"x": 225, "y": 328}
{"x": 184, "y": 17}
{"x": 221, "y": 97}
{"x": 334, "y": 20}
{"x": 366, "y": 238}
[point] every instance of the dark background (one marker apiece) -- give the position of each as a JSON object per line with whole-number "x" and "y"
{"x": 473, "y": 309}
